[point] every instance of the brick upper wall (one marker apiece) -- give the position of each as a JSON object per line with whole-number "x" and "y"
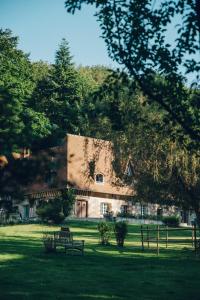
{"x": 71, "y": 164}
{"x": 80, "y": 152}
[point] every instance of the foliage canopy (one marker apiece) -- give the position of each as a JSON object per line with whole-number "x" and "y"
{"x": 137, "y": 35}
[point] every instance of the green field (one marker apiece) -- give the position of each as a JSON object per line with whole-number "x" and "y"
{"x": 104, "y": 272}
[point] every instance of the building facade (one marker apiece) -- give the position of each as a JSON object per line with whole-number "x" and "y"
{"x": 86, "y": 165}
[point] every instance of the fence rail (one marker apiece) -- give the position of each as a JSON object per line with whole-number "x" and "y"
{"x": 160, "y": 235}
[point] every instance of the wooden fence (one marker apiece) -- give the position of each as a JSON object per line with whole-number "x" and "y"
{"x": 162, "y": 235}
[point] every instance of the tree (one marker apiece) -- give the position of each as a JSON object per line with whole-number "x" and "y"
{"x": 20, "y": 125}
{"x": 113, "y": 107}
{"x": 11, "y": 122}
{"x": 59, "y": 94}
{"x": 163, "y": 170}
{"x": 136, "y": 36}
{"x": 136, "y": 33}
{"x": 92, "y": 78}
{"x": 91, "y": 81}
{"x": 40, "y": 70}
{"x": 166, "y": 172}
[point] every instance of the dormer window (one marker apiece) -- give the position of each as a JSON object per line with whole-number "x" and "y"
{"x": 99, "y": 178}
{"x": 129, "y": 170}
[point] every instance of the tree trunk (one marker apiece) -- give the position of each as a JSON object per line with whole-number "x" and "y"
{"x": 197, "y": 212}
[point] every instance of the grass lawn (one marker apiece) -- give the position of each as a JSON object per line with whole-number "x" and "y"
{"x": 104, "y": 272}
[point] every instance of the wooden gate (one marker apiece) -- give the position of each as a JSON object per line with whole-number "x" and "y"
{"x": 81, "y": 209}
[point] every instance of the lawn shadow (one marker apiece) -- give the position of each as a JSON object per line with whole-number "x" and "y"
{"x": 104, "y": 272}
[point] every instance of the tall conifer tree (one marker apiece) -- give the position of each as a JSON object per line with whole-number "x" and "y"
{"x": 20, "y": 124}
{"x": 59, "y": 95}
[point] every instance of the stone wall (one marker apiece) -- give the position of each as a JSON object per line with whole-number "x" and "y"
{"x": 94, "y": 210}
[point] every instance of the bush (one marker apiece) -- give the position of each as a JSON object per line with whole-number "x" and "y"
{"x": 150, "y": 217}
{"x": 105, "y": 232}
{"x": 51, "y": 211}
{"x": 125, "y": 215}
{"x": 121, "y": 230}
{"x": 108, "y": 216}
{"x": 171, "y": 221}
{"x": 56, "y": 210}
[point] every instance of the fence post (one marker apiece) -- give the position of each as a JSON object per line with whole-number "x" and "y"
{"x": 166, "y": 236}
{"x": 193, "y": 235}
{"x": 142, "y": 238}
{"x": 195, "y": 238}
{"x": 158, "y": 234}
{"x": 148, "y": 236}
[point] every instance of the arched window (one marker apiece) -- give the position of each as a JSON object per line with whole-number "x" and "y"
{"x": 99, "y": 178}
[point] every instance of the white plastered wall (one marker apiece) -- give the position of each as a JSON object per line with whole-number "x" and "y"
{"x": 94, "y": 204}
{"x": 32, "y": 210}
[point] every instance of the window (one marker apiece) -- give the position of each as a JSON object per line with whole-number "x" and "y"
{"x": 124, "y": 209}
{"x": 99, "y": 178}
{"x": 129, "y": 170}
{"x": 144, "y": 210}
{"x": 26, "y": 152}
{"x": 159, "y": 212}
{"x": 104, "y": 208}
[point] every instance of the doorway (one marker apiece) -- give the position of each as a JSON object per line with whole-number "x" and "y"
{"x": 26, "y": 211}
{"x": 81, "y": 209}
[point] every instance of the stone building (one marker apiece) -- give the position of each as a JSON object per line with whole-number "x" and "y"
{"x": 87, "y": 166}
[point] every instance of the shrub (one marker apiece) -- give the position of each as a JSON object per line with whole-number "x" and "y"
{"x": 125, "y": 215}
{"x": 11, "y": 222}
{"x": 121, "y": 230}
{"x": 105, "y": 232}
{"x": 108, "y": 216}
{"x": 51, "y": 211}
{"x": 67, "y": 201}
{"x": 172, "y": 221}
{"x": 56, "y": 210}
{"x": 150, "y": 217}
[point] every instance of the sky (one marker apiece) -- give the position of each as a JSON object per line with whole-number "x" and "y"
{"x": 41, "y": 24}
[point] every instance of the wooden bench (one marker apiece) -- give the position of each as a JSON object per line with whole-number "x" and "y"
{"x": 65, "y": 239}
